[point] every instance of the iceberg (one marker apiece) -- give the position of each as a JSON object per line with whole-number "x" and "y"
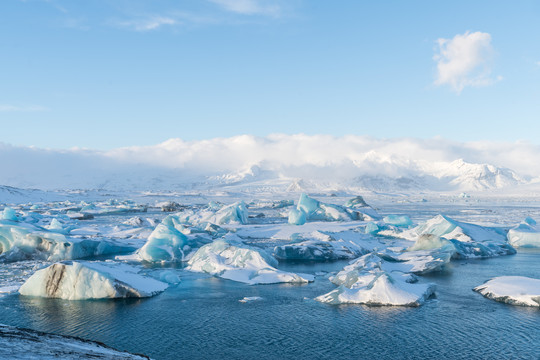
{"x": 166, "y": 242}
{"x": 526, "y": 234}
{"x": 77, "y": 280}
{"x": 229, "y": 258}
{"x": 9, "y": 214}
{"x": 311, "y": 209}
{"x": 319, "y": 247}
{"x": 469, "y": 240}
{"x": 23, "y": 241}
{"x": 398, "y": 220}
{"x": 216, "y": 213}
{"x": 370, "y": 280}
{"x": 513, "y": 290}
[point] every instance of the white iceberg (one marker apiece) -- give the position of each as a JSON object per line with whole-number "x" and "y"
{"x": 74, "y": 280}
{"x": 514, "y": 290}
{"x": 371, "y": 280}
{"x": 526, "y": 234}
{"x": 469, "y": 240}
{"x": 216, "y": 213}
{"x": 319, "y": 246}
{"x": 230, "y": 259}
{"x": 23, "y": 241}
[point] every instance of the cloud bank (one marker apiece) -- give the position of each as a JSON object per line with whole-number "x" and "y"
{"x": 319, "y": 157}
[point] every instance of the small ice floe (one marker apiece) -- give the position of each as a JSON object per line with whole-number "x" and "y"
{"x": 513, "y": 290}
{"x": 250, "y": 298}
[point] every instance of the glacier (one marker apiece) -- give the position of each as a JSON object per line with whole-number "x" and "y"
{"x": 513, "y": 290}
{"x": 229, "y": 258}
{"x": 78, "y": 280}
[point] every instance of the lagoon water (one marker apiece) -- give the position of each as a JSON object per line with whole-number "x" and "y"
{"x": 202, "y": 318}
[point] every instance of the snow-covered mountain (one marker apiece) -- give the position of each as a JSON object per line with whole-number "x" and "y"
{"x": 276, "y": 163}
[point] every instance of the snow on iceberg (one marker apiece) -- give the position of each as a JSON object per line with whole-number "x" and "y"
{"x": 23, "y": 241}
{"x": 526, "y": 234}
{"x": 470, "y": 240}
{"x": 371, "y": 280}
{"x": 230, "y": 259}
{"x": 216, "y": 213}
{"x": 319, "y": 246}
{"x": 74, "y": 280}
{"x": 513, "y": 290}
{"x": 311, "y": 209}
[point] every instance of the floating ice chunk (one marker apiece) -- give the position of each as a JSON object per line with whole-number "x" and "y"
{"x": 526, "y": 234}
{"x": 430, "y": 242}
{"x": 372, "y": 228}
{"x": 373, "y": 280}
{"x": 230, "y": 259}
{"x": 169, "y": 277}
{"x": 24, "y": 241}
{"x": 398, "y": 220}
{"x": 73, "y": 280}
{"x": 513, "y": 290}
{"x": 9, "y": 214}
{"x": 470, "y": 241}
{"x": 166, "y": 242}
{"x": 297, "y": 217}
{"x": 313, "y": 209}
{"x": 356, "y": 202}
{"x": 250, "y": 298}
{"x": 380, "y": 289}
{"x": 319, "y": 247}
{"x": 216, "y": 213}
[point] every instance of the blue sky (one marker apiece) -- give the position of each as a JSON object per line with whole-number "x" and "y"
{"x": 109, "y": 73}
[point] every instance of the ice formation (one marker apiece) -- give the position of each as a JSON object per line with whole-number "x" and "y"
{"x": 371, "y": 280}
{"x": 166, "y": 242}
{"x": 216, "y": 213}
{"x": 22, "y": 241}
{"x": 319, "y": 246}
{"x": 16, "y": 343}
{"x": 514, "y": 290}
{"x": 526, "y": 234}
{"x": 469, "y": 240}
{"x": 230, "y": 259}
{"x": 398, "y": 220}
{"x": 74, "y": 280}
{"x": 311, "y": 209}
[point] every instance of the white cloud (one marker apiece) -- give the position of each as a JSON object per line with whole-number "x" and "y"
{"x": 465, "y": 60}
{"x": 13, "y": 108}
{"x": 250, "y": 7}
{"x": 150, "y": 23}
{"x": 317, "y": 157}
